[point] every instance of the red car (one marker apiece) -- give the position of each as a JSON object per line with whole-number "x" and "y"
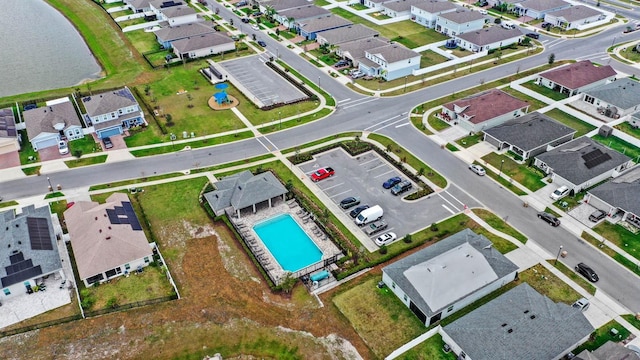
{"x": 322, "y": 174}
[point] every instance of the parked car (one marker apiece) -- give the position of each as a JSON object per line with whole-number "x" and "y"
{"x": 257, "y": 13}
{"x": 582, "y": 304}
{"x": 63, "y": 148}
{"x": 255, "y": 27}
{"x": 341, "y": 63}
{"x": 385, "y": 239}
{"x": 371, "y": 214}
{"x": 533, "y": 35}
{"x": 483, "y": 11}
{"x": 375, "y": 227}
{"x": 508, "y": 25}
{"x": 391, "y": 182}
{"x": 477, "y": 169}
{"x": 107, "y": 143}
{"x": 357, "y": 74}
{"x": 546, "y": 25}
{"x": 262, "y": 43}
{"x": 323, "y": 173}
{"x": 401, "y": 187}
{"x": 245, "y": 20}
{"x": 560, "y": 192}
{"x": 597, "y": 215}
{"x": 241, "y": 3}
{"x": 552, "y": 220}
{"x": 355, "y": 212}
{"x": 349, "y": 202}
{"x": 584, "y": 270}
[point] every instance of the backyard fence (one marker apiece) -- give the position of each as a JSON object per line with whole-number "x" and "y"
{"x": 132, "y": 305}
{"x": 42, "y": 325}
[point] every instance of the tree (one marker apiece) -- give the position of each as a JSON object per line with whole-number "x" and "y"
{"x": 77, "y": 153}
{"x": 552, "y": 58}
{"x": 526, "y": 41}
{"x": 169, "y": 119}
{"x": 288, "y": 282}
{"x": 278, "y": 31}
{"x": 147, "y": 89}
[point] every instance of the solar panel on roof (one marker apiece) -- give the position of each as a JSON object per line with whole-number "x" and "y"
{"x": 21, "y": 276}
{"x": 119, "y": 210}
{"x": 113, "y": 217}
{"x": 131, "y": 215}
{"x": 603, "y": 157}
{"x": 591, "y": 155}
{"x": 19, "y": 266}
{"x": 16, "y": 258}
{"x": 39, "y": 235}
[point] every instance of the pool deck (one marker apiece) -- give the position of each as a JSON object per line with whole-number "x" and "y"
{"x": 248, "y": 220}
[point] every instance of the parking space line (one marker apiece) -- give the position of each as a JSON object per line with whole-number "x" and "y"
{"x": 448, "y": 202}
{"x": 449, "y": 210}
{"x": 384, "y": 173}
{"x": 379, "y": 166}
{"x": 380, "y": 233}
{"x": 330, "y": 187}
{"x": 366, "y": 162}
{"x": 340, "y": 193}
{"x": 343, "y": 100}
{"x": 389, "y": 124}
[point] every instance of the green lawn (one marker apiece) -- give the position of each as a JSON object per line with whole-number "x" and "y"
{"x": 578, "y": 279}
{"x": 470, "y": 140}
{"x": 429, "y": 58}
{"x": 323, "y": 140}
{"x": 430, "y": 349}
{"x": 534, "y": 104}
{"x": 26, "y": 150}
{"x": 571, "y": 121}
{"x": 31, "y": 170}
{"x": 629, "y": 264}
{"x": 549, "y": 285}
{"x": 86, "y": 145}
{"x": 134, "y": 181}
{"x": 358, "y": 6}
{"x": 198, "y": 143}
{"x": 630, "y": 54}
{"x": 143, "y": 41}
{"x": 543, "y": 90}
{"x": 602, "y": 335}
{"x": 145, "y": 136}
{"x": 437, "y": 124}
{"x": 298, "y": 121}
{"x": 530, "y": 177}
{"x": 499, "y": 224}
{"x": 632, "y": 320}
{"x": 504, "y": 182}
{"x": 628, "y": 129}
{"x": 620, "y": 236}
{"x": 86, "y": 161}
{"x": 619, "y": 145}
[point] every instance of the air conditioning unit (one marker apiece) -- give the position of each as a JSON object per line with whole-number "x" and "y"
{"x": 605, "y": 131}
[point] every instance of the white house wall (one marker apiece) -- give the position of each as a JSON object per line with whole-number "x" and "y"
{"x": 496, "y": 45}
{"x": 211, "y": 50}
{"x": 402, "y": 68}
{"x": 185, "y": 19}
{"x": 426, "y": 18}
{"x": 468, "y": 125}
{"x": 133, "y": 266}
{"x": 451, "y": 28}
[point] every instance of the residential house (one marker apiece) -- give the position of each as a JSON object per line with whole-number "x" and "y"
{"x": 582, "y": 162}
{"x": 634, "y": 120}
{"x": 619, "y": 197}
{"x": 426, "y": 12}
{"x": 494, "y": 37}
{"x": 156, "y": 6}
{"x": 444, "y": 277}
{"x": 167, "y": 35}
{"x": 458, "y": 22}
{"x": 9, "y": 136}
{"x": 577, "y": 77}
{"x": 509, "y": 326}
{"x": 399, "y": 7}
{"x": 346, "y": 34}
{"x": 616, "y": 99}
{"x": 390, "y": 61}
{"x": 375, "y": 4}
{"x": 355, "y": 51}
{"x": 291, "y": 17}
{"x": 609, "y": 351}
{"x": 178, "y": 15}
{"x": 483, "y": 111}
{"x": 138, "y": 5}
{"x": 538, "y": 9}
{"x": 529, "y": 135}
{"x": 112, "y": 112}
{"x": 242, "y": 190}
{"x": 310, "y": 28}
{"x": 280, "y": 5}
{"x": 29, "y": 250}
{"x": 508, "y": 4}
{"x": 578, "y": 17}
{"x": 203, "y": 45}
{"x": 47, "y": 125}
{"x": 107, "y": 239}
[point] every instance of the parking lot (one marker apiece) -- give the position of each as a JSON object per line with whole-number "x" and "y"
{"x": 363, "y": 176}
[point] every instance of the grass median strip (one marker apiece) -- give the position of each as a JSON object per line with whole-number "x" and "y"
{"x": 631, "y": 265}
{"x": 499, "y": 224}
{"x": 168, "y": 148}
{"x": 93, "y": 160}
{"x": 573, "y": 276}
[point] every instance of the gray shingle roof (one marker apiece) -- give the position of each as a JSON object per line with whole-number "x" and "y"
{"x": 575, "y": 13}
{"x": 279, "y": 5}
{"x": 609, "y": 351}
{"x": 434, "y": 6}
{"x": 519, "y": 324}
{"x": 393, "y": 53}
{"x": 449, "y": 270}
{"x": 401, "y": 5}
{"x": 349, "y": 33}
{"x": 623, "y": 93}
{"x": 462, "y": 16}
{"x": 530, "y": 131}
{"x": 622, "y": 192}
{"x": 182, "y": 31}
{"x": 325, "y": 23}
{"x": 542, "y": 5}
{"x": 579, "y": 74}
{"x": 490, "y": 35}
{"x": 304, "y": 12}
{"x": 201, "y": 42}
{"x": 176, "y": 11}
{"x": 43, "y": 119}
{"x": 107, "y": 102}
{"x": 357, "y": 48}
{"x": 567, "y": 160}
{"x": 138, "y": 4}
{"x": 244, "y": 189}
{"x": 16, "y": 240}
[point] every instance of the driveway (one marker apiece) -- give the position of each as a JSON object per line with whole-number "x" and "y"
{"x": 51, "y": 153}
{"x": 117, "y": 140}
{"x": 9, "y": 160}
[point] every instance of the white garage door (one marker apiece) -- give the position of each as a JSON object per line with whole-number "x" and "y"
{"x": 46, "y": 143}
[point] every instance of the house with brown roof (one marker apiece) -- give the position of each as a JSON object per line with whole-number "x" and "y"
{"x": 203, "y": 45}
{"x": 494, "y": 37}
{"x": 459, "y": 22}
{"x": 107, "y": 239}
{"x": 390, "y": 61}
{"x": 49, "y": 124}
{"x": 577, "y": 77}
{"x": 483, "y": 111}
{"x": 578, "y": 17}
{"x": 9, "y": 136}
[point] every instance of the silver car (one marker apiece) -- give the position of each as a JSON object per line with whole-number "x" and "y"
{"x": 477, "y": 169}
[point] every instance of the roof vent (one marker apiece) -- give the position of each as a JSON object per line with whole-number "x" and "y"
{"x": 505, "y": 324}
{"x": 17, "y": 225}
{"x": 510, "y": 331}
{"x": 109, "y": 227}
{"x": 532, "y": 317}
{"x": 9, "y": 245}
{"x": 108, "y": 238}
{"x": 96, "y": 218}
{"x": 99, "y": 230}
{"x": 526, "y": 311}
{"x": 105, "y": 214}
{"x": 19, "y": 242}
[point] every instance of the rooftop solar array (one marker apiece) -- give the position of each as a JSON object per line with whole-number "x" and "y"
{"x": 125, "y": 93}
{"x": 19, "y": 270}
{"x": 595, "y": 158}
{"x": 124, "y": 215}
{"x": 39, "y": 233}
{"x": 7, "y": 123}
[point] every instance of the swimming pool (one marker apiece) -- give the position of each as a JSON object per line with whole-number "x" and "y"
{"x": 288, "y": 243}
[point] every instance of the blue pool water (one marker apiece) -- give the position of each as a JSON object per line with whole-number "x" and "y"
{"x": 288, "y": 243}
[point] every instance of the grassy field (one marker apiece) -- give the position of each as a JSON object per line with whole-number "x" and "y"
{"x": 430, "y": 349}
{"x": 86, "y": 145}
{"x": 571, "y": 121}
{"x": 86, "y": 161}
{"x": 502, "y": 181}
{"x": 602, "y": 335}
{"x": 499, "y": 224}
{"x": 620, "y": 236}
{"x": 527, "y": 176}
{"x": 578, "y": 279}
{"x": 627, "y": 128}
{"x": 437, "y": 124}
{"x": 143, "y": 41}
{"x": 534, "y": 104}
{"x": 197, "y": 143}
{"x": 630, "y": 54}
{"x": 549, "y": 285}
{"x": 619, "y": 145}
{"x": 26, "y": 150}
{"x": 543, "y": 90}
{"x": 470, "y": 140}
{"x": 629, "y": 264}
{"x": 324, "y": 140}
{"x": 429, "y": 58}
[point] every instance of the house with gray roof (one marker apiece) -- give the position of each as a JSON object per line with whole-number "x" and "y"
{"x": 619, "y": 197}
{"x": 390, "y": 61}
{"x": 310, "y": 28}
{"x": 519, "y": 324}
{"x": 290, "y": 17}
{"x": 609, "y": 351}
{"x": 426, "y": 12}
{"x": 138, "y": 5}
{"x": 375, "y": 4}
{"x": 576, "y": 77}
{"x": 280, "y": 5}
{"x": 47, "y": 125}
{"x": 346, "y": 34}
{"x": 529, "y": 135}
{"x": 112, "y": 112}
{"x": 242, "y": 190}
{"x": 157, "y": 6}
{"x": 29, "y": 250}
{"x": 443, "y": 278}
{"x": 616, "y": 99}
{"x": 494, "y": 37}
{"x": 634, "y": 120}
{"x": 399, "y": 7}
{"x": 203, "y": 45}
{"x": 167, "y": 35}
{"x": 178, "y": 15}
{"x": 578, "y": 17}
{"x": 538, "y": 9}
{"x": 581, "y": 163}
{"x": 458, "y": 22}
{"x": 9, "y": 136}
{"x": 355, "y": 51}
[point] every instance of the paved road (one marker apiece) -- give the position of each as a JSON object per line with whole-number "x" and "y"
{"x": 356, "y": 112}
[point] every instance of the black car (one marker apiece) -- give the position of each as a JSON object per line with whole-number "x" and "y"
{"x": 587, "y": 272}
{"x": 533, "y": 35}
{"x": 349, "y": 202}
{"x": 355, "y": 212}
{"x": 107, "y": 143}
{"x": 245, "y": 20}
{"x": 262, "y": 43}
{"x": 552, "y": 220}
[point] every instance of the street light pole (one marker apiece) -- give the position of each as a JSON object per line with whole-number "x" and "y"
{"x": 557, "y": 256}
{"x": 501, "y": 163}
{"x": 280, "y": 119}
{"x": 50, "y": 186}
{"x": 405, "y": 83}
{"x": 318, "y": 81}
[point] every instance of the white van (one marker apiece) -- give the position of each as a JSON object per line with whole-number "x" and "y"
{"x": 560, "y": 192}
{"x": 508, "y": 25}
{"x": 369, "y": 215}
